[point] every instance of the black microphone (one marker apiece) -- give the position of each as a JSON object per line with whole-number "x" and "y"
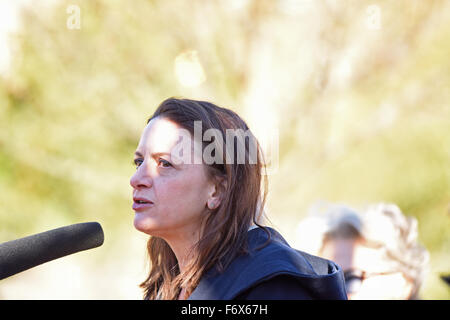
{"x": 25, "y": 253}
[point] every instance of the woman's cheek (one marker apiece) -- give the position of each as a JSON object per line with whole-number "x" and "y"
{"x": 184, "y": 196}
{"x": 171, "y": 195}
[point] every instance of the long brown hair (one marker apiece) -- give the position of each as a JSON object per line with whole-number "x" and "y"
{"x": 223, "y": 231}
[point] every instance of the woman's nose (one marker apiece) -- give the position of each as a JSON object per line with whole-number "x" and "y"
{"x": 141, "y": 178}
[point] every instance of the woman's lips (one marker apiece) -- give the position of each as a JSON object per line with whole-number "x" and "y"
{"x": 141, "y": 206}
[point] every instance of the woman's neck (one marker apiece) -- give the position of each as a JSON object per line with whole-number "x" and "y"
{"x": 182, "y": 245}
{"x": 182, "y": 295}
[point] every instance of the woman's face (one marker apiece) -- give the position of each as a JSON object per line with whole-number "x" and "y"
{"x": 177, "y": 192}
{"x": 380, "y": 280}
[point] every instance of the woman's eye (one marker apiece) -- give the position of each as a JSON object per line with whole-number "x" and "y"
{"x": 164, "y": 163}
{"x": 137, "y": 162}
{"x": 161, "y": 163}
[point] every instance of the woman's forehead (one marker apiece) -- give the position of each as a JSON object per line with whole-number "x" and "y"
{"x": 160, "y": 135}
{"x": 165, "y": 136}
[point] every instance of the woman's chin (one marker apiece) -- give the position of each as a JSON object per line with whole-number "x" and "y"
{"x": 144, "y": 223}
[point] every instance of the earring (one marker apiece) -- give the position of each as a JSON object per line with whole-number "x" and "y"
{"x": 211, "y": 205}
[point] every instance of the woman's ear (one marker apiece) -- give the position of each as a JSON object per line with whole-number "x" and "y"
{"x": 216, "y": 193}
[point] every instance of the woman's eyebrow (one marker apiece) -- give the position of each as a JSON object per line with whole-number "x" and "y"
{"x": 137, "y": 153}
{"x": 161, "y": 154}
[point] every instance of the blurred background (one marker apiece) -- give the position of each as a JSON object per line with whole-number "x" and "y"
{"x": 357, "y": 91}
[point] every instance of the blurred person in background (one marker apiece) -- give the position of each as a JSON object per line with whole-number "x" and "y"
{"x": 377, "y": 249}
{"x": 204, "y": 217}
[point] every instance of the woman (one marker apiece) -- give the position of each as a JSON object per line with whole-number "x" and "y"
{"x": 377, "y": 248}
{"x": 198, "y": 194}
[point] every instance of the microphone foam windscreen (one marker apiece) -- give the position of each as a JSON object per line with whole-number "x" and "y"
{"x": 24, "y": 253}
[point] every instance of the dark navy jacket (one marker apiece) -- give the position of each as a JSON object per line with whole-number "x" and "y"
{"x": 276, "y": 271}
